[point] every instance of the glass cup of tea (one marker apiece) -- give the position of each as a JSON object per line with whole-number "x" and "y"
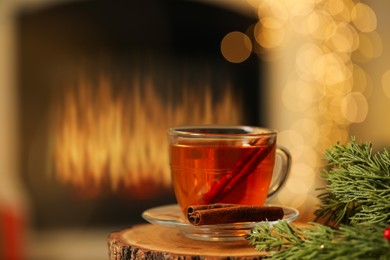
{"x": 225, "y": 164}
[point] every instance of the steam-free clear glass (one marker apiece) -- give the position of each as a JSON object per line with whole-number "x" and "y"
{"x": 225, "y": 164}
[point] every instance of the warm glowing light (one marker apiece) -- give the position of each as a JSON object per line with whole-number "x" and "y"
{"x": 363, "y": 17}
{"x": 291, "y": 137}
{"x": 297, "y": 96}
{"x": 306, "y": 58}
{"x": 321, "y": 24}
{"x": 117, "y": 138}
{"x": 271, "y": 22}
{"x": 386, "y": 83}
{"x": 354, "y": 107}
{"x": 298, "y": 186}
{"x": 300, "y": 7}
{"x": 330, "y": 69}
{"x": 275, "y": 9}
{"x": 343, "y": 38}
{"x": 269, "y": 37}
{"x": 236, "y": 47}
{"x": 359, "y": 79}
{"x": 327, "y": 88}
{"x": 335, "y": 7}
{"x": 370, "y": 47}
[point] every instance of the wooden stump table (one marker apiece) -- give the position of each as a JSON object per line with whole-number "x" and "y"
{"x": 147, "y": 241}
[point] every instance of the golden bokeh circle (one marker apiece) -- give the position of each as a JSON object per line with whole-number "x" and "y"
{"x": 236, "y": 47}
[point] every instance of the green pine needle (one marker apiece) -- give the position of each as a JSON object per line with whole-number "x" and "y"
{"x": 355, "y": 210}
{"x": 358, "y": 189}
{"x": 316, "y": 241}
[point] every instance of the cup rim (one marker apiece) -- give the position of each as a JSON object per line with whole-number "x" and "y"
{"x": 196, "y": 131}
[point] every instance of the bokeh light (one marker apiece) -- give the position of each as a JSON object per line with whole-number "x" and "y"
{"x": 386, "y": 83}
{"x": 236, "y": 47}
{"x": 363, "y": 17}
{"x": 328, "y": 90}
{"x": 269, "y": 37}
{"x": 354, "y": 107}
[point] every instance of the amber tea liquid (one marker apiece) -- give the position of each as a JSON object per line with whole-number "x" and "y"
{"x": 214, "y": 173}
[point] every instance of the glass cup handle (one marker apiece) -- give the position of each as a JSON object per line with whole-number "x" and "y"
{"x": 280, "y": 178}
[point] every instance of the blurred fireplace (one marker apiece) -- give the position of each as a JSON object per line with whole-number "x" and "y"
{"x": 99, "y": 84}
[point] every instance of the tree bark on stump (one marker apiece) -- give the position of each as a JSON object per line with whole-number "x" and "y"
{"x": 148, "y": 241}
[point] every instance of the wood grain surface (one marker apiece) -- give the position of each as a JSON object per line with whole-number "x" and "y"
{"x": 147, "y": 241}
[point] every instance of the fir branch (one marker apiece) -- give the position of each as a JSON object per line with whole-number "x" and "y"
{"x": 317, "y": 241}
{"x": 356, "y": 199}
{"x": 358, "y": 185}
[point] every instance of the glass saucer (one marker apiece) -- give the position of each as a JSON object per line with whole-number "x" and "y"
{"x": 171, "y": 216}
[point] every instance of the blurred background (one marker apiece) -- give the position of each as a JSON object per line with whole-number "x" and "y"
{"x": 88, "y": 89}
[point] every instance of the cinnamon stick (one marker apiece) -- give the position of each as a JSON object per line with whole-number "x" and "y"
{"x": 243, "y": 167}
{"x": 190, "y": 211}
{"x": 233, "y": 214}
{"x": 193, "y": 208}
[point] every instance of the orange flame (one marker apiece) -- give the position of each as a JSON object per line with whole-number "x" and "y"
{"x": 102, "y": 136}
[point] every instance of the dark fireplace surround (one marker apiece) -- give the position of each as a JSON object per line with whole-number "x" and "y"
{"x": 176, "y": 41}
